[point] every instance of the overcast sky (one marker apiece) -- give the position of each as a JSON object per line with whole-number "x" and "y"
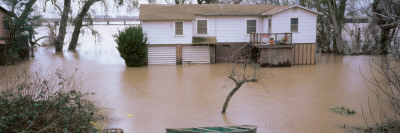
{"x": 98, "y": 9}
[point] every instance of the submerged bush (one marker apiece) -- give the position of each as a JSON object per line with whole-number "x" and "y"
{"x": 132, "y": 46}
{"x": 44, "y": 102}
{"x": 343, "y": 111}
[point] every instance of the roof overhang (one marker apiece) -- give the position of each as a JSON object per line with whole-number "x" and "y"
{"x": 8, "y": 12}
{"x": 166, "y": 19}
{"x": 284, "y": 9}
{"x": 231, "y": 14}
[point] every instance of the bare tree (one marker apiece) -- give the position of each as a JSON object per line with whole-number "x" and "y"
{"x": 386, "y": 15}
{"x": 84, "y": 13}
{"x": 385, "y": 78}
{"x": 245, "y": 68}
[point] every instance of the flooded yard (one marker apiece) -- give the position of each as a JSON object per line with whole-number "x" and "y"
{"x": 293, "y": 99}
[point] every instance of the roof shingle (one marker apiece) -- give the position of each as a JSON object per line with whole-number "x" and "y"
{"x": 188, "y": 12}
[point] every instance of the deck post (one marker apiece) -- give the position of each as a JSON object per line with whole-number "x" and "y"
{"x": 179, "y": 54}
{"x": 212, "y": 54}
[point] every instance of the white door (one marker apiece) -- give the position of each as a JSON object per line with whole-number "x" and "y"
{"x": 162, "y": 55}
{"x": 195, "y": 54}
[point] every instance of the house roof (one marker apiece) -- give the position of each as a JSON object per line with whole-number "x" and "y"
{"x": 6, "y": 11}
{"x": 188, "y": 11}
{"x": 279, "y": 9}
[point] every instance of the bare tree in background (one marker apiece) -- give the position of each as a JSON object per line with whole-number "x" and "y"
{"x": 336, "y": 11}
{"x": 83, "y": 12}
{"x": 385, "y": 79}
{"x": 245, "y": 68}
{"x": 387, "y": 17}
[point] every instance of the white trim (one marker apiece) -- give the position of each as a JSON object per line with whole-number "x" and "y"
{"x": 245, "y": 21}
{"x": 183, "y": 29}
{"x": 197, "y": 32}
{"x": 316, "y": 12}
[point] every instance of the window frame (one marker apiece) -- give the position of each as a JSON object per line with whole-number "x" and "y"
{"x": 6, "y": 23}
{"x": 197, "y": 26}
{"x": 297, "y": 25}
{"x": 182, "y": 28}
{"x": 246, "y": 26}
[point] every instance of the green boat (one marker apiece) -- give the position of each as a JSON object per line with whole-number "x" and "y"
{"x": 226, "y": 129}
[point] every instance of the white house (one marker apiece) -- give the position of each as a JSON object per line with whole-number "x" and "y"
{"x": 194, "y": 33}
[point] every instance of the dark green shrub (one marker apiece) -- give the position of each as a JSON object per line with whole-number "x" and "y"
{"x": 60, "y": 112}
{"x": 132, "y": 46}
{"x": 44, "y": 102}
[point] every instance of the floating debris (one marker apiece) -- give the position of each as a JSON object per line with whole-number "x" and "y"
{"x": 343, "y": 111}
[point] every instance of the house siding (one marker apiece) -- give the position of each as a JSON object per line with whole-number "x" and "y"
{"x": 233, "y": 28}
{"x": 2, "y": 30}
{"x": 227, "y": 28}
{"x": 163, "y": 32}
{"x": 265, "y": 25}
{"x": 211, "y": 31}
{"x": 307, "y": 24}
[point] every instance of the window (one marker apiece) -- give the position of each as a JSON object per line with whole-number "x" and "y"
{"x": 201, "y": 26}
{"x": 294, "y": 25}
{"x": 178, "y": 28}
{"x": 6, "y": 24}
{"x": 251, "y": 26}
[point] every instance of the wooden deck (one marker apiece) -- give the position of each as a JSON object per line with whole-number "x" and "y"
{"x": 270, "y": 39}
{"x": 275, "y": 55}
{"x": 277, "y": 49}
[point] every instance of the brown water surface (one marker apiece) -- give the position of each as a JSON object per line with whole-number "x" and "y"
{"x": 295, "y": 99}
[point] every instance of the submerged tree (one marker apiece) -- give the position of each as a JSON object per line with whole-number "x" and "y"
{"x": 245, "y": 68}
{"x": 87, "y": 4}
{"x": 78, "y": 23}
{"x": 59, "y": 42}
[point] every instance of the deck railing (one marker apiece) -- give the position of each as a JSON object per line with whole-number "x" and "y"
{"x": 273, "y": 38}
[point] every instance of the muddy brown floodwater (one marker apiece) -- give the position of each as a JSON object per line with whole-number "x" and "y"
{"x": 296, "y": 99}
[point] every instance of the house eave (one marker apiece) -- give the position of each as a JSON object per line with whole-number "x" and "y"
{"x": 166, "y": 19}
{"x": 316, "y": 12}
{"x": 231, "y": 14}
{"x": 8, "y": 12}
